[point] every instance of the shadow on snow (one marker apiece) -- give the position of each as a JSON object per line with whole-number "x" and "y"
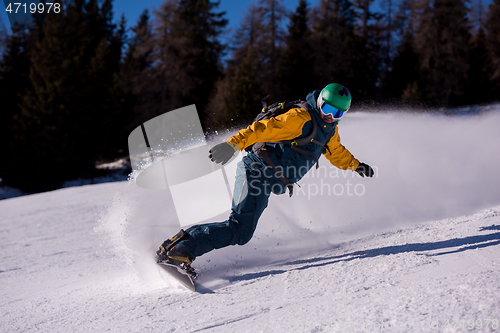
{"x": 464, "y": 244}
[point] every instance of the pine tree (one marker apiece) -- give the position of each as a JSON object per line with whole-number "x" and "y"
{"x": 388, "y": 6}
{"x": 261, "y": 29}
{"x": 493, "y": 44}
{"x": 3, "y": 37}
{"x": 477, "y": 15}
{"x": 165, "y": 72}
{"x": 479, "y": 90}
{"x": 443, "y": 41}
{"x": 216, "y": 105}
{"x": 334, "y": 43}
{"x": 138, "y": 70}
{"x": 190, "y": 52}
{"x": 249, "y": 33}
{"x": 403, "y": 77}
{"x": 244, "y": 97}
{"x": 365, "y": 16}
{"x": 119, "y": 113}
{"x": 272, "y": 12}
{"x": 368, "y": 55}
{"x": 296, "y": 65}
{"x": 390, "y": 28}
{"x": 405, "y": 17}
{"x": 402, "y": 68}
{"x": 14, "y": 78}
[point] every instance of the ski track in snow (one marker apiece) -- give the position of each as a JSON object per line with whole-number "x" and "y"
{"x": 418, "y": 252}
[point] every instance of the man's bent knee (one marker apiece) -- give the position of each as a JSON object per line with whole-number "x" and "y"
{"x": 243, "y": 239}
{"x": 243, "y": 232}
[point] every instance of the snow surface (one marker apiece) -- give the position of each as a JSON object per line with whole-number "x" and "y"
{"x": 414, "y": 249}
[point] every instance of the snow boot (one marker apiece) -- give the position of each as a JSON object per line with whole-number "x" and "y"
{"x": 169, "y": 254}
{"x": 168, "y": 244}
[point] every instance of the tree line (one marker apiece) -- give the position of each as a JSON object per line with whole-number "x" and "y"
{"x": 75, "y": 84}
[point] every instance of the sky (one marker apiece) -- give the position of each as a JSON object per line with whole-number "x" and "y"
{"x": 235, "y": 9}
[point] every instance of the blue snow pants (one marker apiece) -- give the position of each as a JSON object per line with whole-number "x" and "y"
{"x": 250, "y": 198}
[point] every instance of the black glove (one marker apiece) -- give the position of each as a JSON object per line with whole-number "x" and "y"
{"x": 222, "y": 152}
{"x": 364, "y": 170}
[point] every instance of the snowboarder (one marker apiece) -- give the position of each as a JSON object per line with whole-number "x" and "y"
{"x": 276, "y": 162}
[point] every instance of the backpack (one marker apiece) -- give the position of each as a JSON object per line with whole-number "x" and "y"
{"x": 275, "y": 110}
{"x": 282, "y": 107}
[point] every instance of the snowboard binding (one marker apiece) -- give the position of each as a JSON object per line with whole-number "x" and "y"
{"x": 162, "y": 253}
{"x": 169, "y": 255}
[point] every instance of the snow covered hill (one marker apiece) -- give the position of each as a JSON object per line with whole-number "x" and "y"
{"x": 413, "y": 250}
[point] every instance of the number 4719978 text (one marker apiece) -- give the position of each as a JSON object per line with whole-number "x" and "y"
{"x": 19, "y": 7}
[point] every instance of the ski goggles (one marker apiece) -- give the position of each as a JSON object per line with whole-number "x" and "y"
{"x": 328, "y": 109}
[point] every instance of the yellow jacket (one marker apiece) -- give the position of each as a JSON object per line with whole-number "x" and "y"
{"x": 289, "y": 126}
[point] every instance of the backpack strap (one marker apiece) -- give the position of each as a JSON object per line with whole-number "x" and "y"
{"x": 305, "y": 140}
{"x": 309, "y": 138}
{"x": 325, "y": 145}
{"x": 328, "y": 138}
{"x": 264, "y": 103}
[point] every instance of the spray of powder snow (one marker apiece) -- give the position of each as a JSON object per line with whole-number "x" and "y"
{"x": 131, "y": 228}
{"x": 113, "y": 225}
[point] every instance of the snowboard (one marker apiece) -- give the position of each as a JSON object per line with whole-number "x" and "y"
{"x": 179, "y": 274}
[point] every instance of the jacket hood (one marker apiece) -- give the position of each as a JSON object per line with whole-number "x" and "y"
{"x": 311, "y": 99}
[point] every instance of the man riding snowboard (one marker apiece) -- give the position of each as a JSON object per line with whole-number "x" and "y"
{"x": 279, "y": 158}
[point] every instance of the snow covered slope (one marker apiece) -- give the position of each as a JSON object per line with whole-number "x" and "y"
{"x": 413, "y": 250}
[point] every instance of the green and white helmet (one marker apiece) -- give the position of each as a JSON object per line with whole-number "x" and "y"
{"x": 334, "y": 99}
